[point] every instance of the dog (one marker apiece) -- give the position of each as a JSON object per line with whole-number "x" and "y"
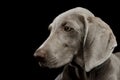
{"x": 83, "y": 43}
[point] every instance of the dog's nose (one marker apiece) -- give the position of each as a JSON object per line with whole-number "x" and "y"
{"x": 40, "y": 54}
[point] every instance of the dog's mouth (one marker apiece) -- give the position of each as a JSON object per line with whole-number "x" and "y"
{"x": 47, "y": 64}
{"x": 58, "y": 69}
{"x": 51, "y": 64}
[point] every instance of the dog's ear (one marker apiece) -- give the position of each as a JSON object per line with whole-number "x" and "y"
{"x": 99, "y": 42}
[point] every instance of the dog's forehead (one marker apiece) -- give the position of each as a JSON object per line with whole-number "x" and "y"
{"x": 70, "y": 16}
{"x": 71, "y": 13}
{"x": 67, "y": 16}
{"x": 61, "y": 19}
{"x": 75, "y": 11}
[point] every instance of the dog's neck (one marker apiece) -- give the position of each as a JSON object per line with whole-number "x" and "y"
{"x": 79, "y": 73}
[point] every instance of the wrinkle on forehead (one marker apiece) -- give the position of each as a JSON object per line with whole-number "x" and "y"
{"x": 69, "y": 16}
{"x": 76, "y": 11}
{"x": 70, "y": 20}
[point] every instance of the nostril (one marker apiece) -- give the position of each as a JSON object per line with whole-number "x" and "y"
{"x": 40, "y": 55}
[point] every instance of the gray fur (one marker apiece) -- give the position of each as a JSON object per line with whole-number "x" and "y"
{"x": 78, "y": 37}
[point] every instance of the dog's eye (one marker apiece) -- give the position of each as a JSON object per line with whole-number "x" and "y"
{"x": 67, "y": 28}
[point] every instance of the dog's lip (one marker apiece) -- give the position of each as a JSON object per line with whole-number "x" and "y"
{"x": 43, "y": 67}
{"x": 41, "y": 64}
{"x": 60, "y": 69}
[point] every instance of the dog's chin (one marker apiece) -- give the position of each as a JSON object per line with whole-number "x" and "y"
{"x": 51, "y": 66}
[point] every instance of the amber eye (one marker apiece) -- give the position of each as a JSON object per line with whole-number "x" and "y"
{"x": 67, "y": 28}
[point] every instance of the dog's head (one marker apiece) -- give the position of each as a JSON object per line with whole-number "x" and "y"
{"x": 77, "y": 35}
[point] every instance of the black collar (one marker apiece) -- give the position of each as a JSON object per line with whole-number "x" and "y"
{"x": 81, "y": 74}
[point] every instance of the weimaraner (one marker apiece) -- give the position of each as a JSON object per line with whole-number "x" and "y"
{"x": 83, "y": 44}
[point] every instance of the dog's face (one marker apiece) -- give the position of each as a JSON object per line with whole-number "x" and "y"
{"x": 63, "y": 42}
{"x": 77, "y": 33}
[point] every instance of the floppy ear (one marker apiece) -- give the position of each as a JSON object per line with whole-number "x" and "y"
{"x": 99, "y": 42}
